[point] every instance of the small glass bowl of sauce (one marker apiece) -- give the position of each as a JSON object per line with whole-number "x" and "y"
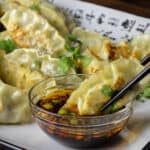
{"x": 46, "y": 99}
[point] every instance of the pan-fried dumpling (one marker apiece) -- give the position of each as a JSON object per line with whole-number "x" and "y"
{"x": 93, "y": 67}
{"x": 24, "y": 57}
{"x": 88, "y": 98}
{"x": 140, "y": 46}
{"x": 100, "y": 49}
{"x": 19, "y": 76}
{"x": 55, "y": 17}
{"x": 29, "y": 29}
{"x": 29, "y": 58}
{"x": 14, "y": 105}
{"x": 93, "y": 43}
{"x": 47, "y": 10}
{"x": 99, "y": 46}
{"x": 95, "y": 46}
{"x": 29, "y": 68}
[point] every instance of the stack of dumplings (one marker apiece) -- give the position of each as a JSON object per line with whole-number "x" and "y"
{"x": 32, "y": 38}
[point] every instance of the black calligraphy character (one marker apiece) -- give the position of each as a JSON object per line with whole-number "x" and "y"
{"x": 109, "y": 34}
{"x": 90, "y": 17}
{"x": 128, "y": 24}
{"x": 78, "y": 15}
{"x": 142, "y": 28}
{"x": 113, "y": 22}
{"x": 100, "y": 19}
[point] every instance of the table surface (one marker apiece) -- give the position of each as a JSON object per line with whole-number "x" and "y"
{"x": 138, "y": 7}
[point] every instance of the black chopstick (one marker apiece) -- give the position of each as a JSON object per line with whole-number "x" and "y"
{"x": 145, "y": 60}
{"x": 147, "y": 146}
{"x": 9, "y": 146}
{"x": 128, "y": 86}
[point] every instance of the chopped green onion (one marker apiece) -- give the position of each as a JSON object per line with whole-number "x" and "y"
{"x": 68, "y": 47}
{"x": 73, "y": 121}
{"x": 57, "y": 102}
{"x": 85, "y": 60}
{"x": 146, "y": 92}
{"x": 140, "y": 98}
{"x": 62, "y": 111}
{"x": 72, "y": 113}
{"x": 71, "y": 37}
{"x": 112, "y": 108}
{"x": 35, "y": 7}
{"x": 72, "y": 44}
{"x": 8, "y": 45}
{"x": 36, "y": 65}
{"x": 47, "y": 106}
{"x": 107, "y": 91}
{"x": 65, "y": 64}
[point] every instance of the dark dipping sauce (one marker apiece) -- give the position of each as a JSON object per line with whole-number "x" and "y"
{"x": 71, "y": 130}
{"x": 55, "y": 101}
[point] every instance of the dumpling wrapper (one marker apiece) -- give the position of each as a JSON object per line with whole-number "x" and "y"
{"x": 88, "y": 98}
{"x": 14, "y": 105}
{"x": 30, "y": 30}
{"x": 19, "y": 76}
{"x": 4, "y": 35}
{"x": 140, "y": 46}
{"x": 96, "y": 44}
{"x": 48, "y": 66}
{"x": 54, "y": 16}
{"x": 29, "y": 68}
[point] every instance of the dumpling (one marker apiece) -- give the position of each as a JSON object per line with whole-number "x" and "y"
{"x": 99, "y": 46}
{"x": 14, "y": 105}
{"x": 100, "y": 49}
{"x": 140, "y": 46}
{"x": 54, "y": 16}
{"x": 93, "y": 43}
{"x": 88, "y": 98}
{"x": 29, "y": 58}
{"x": 24, "y": 57}
{"x": 19, "y": 76}
{"x": 29, "y": 30}
{"x": 94, "y": 66}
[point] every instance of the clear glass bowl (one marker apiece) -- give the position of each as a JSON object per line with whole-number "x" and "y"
{"x": 75, "y": 131}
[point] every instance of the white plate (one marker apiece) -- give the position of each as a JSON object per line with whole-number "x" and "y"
{"x": 117, "y": 25}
